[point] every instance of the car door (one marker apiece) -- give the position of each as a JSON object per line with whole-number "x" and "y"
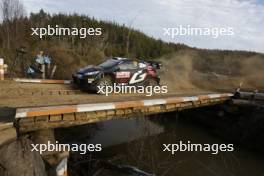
{"x": 129, "y": 73}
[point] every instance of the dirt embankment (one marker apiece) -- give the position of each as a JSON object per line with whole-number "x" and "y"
{"x": 188, "y": 70}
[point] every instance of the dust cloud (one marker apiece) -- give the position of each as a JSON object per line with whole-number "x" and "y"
{"x": 177, "y": 71}
{"x": 187, "y": 70}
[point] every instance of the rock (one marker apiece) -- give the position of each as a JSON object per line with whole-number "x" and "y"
{"x": 16, "y": 158}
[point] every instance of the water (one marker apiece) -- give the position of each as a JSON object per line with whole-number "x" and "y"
{"x": 138, "y": 142}
{"x": 116, "y": 132}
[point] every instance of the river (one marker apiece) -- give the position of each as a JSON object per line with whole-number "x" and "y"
{"x": 139, "y": 142}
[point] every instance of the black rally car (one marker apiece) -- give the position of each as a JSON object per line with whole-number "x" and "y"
{"x": 121, "y": 71}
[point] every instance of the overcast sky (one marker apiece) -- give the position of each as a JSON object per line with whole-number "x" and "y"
{"x": 151, "y": 16}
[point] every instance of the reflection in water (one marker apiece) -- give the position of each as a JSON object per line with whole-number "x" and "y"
{"x": 138, "y": 142}
{"x": 115, "y": 132}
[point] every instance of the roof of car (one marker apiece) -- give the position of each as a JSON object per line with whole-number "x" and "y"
{"x": 120, "y": 58}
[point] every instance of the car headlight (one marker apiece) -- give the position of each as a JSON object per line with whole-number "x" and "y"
{"x": 91, "y": 73}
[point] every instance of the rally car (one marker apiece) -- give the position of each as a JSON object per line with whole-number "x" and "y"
{"x": 122, "y": 71}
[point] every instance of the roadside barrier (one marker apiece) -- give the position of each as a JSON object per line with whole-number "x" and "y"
{"x": 51, "y": 92}
{"x": 57, "y": 110}
{"x": 255, "y": 95}
{"x": 42, "y": 81}
{"x": 2, "y": 71}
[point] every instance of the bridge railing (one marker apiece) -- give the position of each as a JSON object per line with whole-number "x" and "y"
{"x": 30, "y": 119}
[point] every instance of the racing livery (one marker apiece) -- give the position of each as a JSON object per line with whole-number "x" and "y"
{"x": 122, "y": 71}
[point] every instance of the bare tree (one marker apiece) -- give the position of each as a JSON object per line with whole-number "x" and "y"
{"x": 11, "y": 10}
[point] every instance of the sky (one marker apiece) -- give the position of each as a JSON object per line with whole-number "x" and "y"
{"x": 245, "y": 17}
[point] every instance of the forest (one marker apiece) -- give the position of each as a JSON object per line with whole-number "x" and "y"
{"x": 72, "y": 52}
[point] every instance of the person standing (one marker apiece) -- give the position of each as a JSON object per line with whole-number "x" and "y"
{"x": 43, "y": 63}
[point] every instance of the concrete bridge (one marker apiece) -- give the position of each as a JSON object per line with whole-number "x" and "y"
{"x": 31, "y": 105}
{"x": 45, "y": 117}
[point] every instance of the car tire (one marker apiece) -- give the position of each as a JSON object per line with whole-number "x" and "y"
{"x": 106, "y": 81}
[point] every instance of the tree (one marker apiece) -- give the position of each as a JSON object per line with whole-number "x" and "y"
{"x": 10, "y": 10}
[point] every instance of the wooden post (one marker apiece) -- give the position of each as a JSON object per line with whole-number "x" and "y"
{"x": 2, "y": 72}
{"x": 5, "y": 68}
{"x": 53, "y": 71}
{"x": 43, "y": 71}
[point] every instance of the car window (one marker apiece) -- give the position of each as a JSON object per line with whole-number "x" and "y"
{"x": 108, "y": 63}
{"x": 128, "y": 65}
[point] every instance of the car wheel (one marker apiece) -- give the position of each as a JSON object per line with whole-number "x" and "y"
{"x": 103, "y": 82}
